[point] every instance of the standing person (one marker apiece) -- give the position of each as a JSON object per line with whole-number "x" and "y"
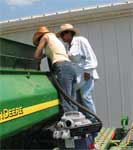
{"x": 82, "y": 55}
{"x": 63, "y": 68}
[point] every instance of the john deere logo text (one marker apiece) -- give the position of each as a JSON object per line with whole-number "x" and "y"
{"x": 9, "y": 113}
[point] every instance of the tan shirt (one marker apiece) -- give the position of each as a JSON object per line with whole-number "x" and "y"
{"x": 55, "y": 49}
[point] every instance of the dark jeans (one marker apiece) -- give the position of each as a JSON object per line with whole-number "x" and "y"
{"x": 66, "y": 76}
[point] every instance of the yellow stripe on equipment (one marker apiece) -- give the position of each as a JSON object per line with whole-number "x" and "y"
{"x": 13, "y": 113}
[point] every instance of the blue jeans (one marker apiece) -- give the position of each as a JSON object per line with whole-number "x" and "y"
{"x": 86, "y": 95}
{"x": 66, "y": 76}
{"x": 87, "y": 100}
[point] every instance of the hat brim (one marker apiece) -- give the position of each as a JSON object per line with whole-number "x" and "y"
{"x": 37, "y": 36}
{"x": 76, "y": 31}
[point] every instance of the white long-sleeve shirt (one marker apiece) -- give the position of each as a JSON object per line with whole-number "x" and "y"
{"x": 83, "y": 57}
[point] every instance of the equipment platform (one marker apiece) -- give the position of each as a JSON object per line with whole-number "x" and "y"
{"x": 106, "y": 141}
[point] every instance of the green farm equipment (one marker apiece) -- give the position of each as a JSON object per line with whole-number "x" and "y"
{"x": 27, "y": 96}
{"x": 116, "y": 138}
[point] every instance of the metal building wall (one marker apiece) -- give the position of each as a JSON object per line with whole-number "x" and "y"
{"x": 112, "y": 41}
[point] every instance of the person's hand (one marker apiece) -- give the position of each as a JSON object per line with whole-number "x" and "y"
{"x": 86, "y": 76}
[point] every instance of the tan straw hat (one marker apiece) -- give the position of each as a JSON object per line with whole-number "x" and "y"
{"x": 37, "y": 35}
{"x": 67, "y": 27}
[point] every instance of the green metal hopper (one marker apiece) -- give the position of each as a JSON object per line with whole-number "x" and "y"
{"x": 27, "y": 96}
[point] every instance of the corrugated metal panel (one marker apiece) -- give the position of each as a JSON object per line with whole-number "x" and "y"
{"x": 131, "y": 93}
{"x": 112, "y": 41}
{"x": 95, "y": 38}
{"x": 123, "y": 37}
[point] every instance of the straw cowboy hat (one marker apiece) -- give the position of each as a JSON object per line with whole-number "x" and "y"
{"x": 37, "y": 35}
{"x": 67, "y": 27}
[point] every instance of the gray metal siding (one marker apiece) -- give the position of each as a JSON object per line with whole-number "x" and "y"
{"x": 112, "y": 41}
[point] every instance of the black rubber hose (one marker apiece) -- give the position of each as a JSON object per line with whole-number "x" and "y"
{"x": 61, "y": 90}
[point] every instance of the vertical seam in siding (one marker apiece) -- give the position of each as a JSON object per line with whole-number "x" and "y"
{"x": 131, "y": 60}
{"x": 107, "y": 95}
{"x": 118, "y": 60}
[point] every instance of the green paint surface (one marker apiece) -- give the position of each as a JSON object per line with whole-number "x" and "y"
{"x": 24, "y": 89}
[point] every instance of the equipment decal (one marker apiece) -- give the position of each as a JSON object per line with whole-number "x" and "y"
{"x": 13, "y": 113}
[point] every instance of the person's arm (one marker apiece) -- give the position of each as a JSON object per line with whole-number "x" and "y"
{"x": 89, "y": 58}
{"x": 38, "y": 52}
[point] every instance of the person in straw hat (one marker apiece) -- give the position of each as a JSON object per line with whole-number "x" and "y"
{"x": 62, "y": 66}
{"x": 82, "y": 55}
